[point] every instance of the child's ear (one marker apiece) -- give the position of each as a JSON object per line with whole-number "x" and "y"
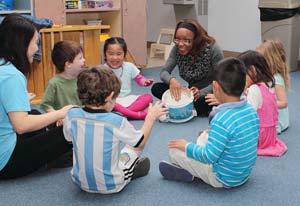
{"x": 67, "y": 64}
{"x": 110, "y": 97}
{"x": 215, "y": 85}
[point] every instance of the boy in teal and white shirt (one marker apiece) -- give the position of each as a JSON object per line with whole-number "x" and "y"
{"x": 225, "y": 154}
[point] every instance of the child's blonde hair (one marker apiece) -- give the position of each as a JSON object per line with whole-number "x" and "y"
{"x": 274, "y": 53}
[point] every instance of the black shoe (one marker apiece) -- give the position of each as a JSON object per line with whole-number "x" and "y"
{"x": 142, "y": 168}
{"x": 173, "y": 172}
{"x": 65, "y": 160}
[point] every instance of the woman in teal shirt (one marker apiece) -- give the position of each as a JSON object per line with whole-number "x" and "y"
{"x": 25, "y": 143}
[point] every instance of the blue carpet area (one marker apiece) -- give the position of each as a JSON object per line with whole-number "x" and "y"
{"x": 274, "y": 181}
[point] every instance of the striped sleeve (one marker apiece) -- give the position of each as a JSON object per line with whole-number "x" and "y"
{"x": 212, "y": 151}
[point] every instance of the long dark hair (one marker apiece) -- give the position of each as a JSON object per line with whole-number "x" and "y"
{"x": 201, "y": 37}
{"x": 16, "y": 33}
{"x": 257, "y": 67}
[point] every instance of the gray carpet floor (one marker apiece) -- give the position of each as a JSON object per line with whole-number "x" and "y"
{"x": 274, "y": 181}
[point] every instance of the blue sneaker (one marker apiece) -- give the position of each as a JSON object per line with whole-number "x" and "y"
{"x": 173, "y": 172}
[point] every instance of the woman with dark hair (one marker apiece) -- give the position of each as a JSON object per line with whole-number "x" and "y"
{"x": 196, "y": 54}
{"x": 25, "y": 142}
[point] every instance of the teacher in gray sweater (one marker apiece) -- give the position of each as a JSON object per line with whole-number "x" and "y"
{"x": 196, "y": 54}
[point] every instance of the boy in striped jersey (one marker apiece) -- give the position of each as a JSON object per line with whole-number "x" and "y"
{"x": 97, "y": 133}
{"x": 225, "y": 154}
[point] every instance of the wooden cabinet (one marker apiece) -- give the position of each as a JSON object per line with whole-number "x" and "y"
{"x": 134, "y": 23}
{"x": 127, "y": 18}
{"x": 54, "y": 10}
{"x": 42, "y": 71}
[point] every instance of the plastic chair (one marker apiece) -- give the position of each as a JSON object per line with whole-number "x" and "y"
{"x": 164, "y": 43}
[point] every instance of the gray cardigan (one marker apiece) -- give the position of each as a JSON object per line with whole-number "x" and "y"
{"x": 205, "y": 85}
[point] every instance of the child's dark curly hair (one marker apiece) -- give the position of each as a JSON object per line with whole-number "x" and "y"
{"x": 94, "y": 85}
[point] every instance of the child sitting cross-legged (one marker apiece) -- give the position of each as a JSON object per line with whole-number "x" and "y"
{"x": 96, "y": 132}
{"x": 67, "y": 56}
{"x": 224, "y": 155}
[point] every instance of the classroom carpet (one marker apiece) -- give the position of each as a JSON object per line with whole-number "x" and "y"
{"x": 274, "y": 180}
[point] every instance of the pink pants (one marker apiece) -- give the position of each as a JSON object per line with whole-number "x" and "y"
{"x": 137, "y": 109}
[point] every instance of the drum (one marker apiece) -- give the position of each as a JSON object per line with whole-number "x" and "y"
{"x": 179, "y": 111}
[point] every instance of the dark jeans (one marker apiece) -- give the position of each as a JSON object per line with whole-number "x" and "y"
{"x": 33, "y": 150}
{"x": 202, "y": 108}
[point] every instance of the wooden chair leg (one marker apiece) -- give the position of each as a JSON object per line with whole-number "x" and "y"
{"x": 152, "y": 51}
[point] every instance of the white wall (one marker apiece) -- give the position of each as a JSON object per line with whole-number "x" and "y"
{"x": 235, "y": 24}
{"x": 159, "y": 15}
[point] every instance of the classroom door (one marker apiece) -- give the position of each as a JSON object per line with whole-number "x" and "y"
{"x": 135, "y": 29}
{"x": 54, "y": 10}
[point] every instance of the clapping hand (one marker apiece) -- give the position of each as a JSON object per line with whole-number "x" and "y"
{"x": 148, "y": 82}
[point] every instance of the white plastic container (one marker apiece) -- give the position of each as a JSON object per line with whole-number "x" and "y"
{"x": 179, "y": 111}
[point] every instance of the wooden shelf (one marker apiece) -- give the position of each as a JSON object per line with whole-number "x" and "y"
{"x": 91, "y": 10}
{"x": 74, "y": 28}
{"x": 42, "y": 71}
{"x": 16, "y": 11}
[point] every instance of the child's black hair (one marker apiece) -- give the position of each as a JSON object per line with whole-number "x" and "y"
{"x": 257, "y": 67}
{"x": 115, "y": 40}
{"x": 231, "y": 75}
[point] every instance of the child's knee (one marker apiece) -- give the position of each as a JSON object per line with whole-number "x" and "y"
{"x": 175, "y": 154}
{"x": 148, "y": 97}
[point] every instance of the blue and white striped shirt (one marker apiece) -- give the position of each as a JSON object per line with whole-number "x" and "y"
{"x": 96, "y": 141}
{"x": 232, "y": 144}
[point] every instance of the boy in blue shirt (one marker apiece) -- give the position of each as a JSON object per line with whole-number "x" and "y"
{"x": 225, "y": 154}
{"x": 100, "y": 165}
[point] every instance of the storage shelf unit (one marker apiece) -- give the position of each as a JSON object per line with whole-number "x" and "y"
{"x": 21, "y": 7}
{"x": 44, "y": 70}
{"x": 91, "y": 10}
{"x": 127, "y": 18}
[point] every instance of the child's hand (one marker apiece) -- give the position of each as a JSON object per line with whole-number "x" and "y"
{"x": 148, "y": 82}
{"x": 201, "y": 131}
{"x": 156, "y": 110}
{"x": 59, "y": 122}
{"x": 211, "y": 100}
{"x": 31, "y": 96}
{"x": 178, "y": 144}
{"x": 63, "y": 111}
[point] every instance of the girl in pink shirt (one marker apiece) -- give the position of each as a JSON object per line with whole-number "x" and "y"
{"x": 261, "y": 95}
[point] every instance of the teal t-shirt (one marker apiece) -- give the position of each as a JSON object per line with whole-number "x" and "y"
{"x": 59, "y": 93}
{"x": 283, "y": 114}
{"x": 127, "y": 72}
{"x": 13, "y": 98}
